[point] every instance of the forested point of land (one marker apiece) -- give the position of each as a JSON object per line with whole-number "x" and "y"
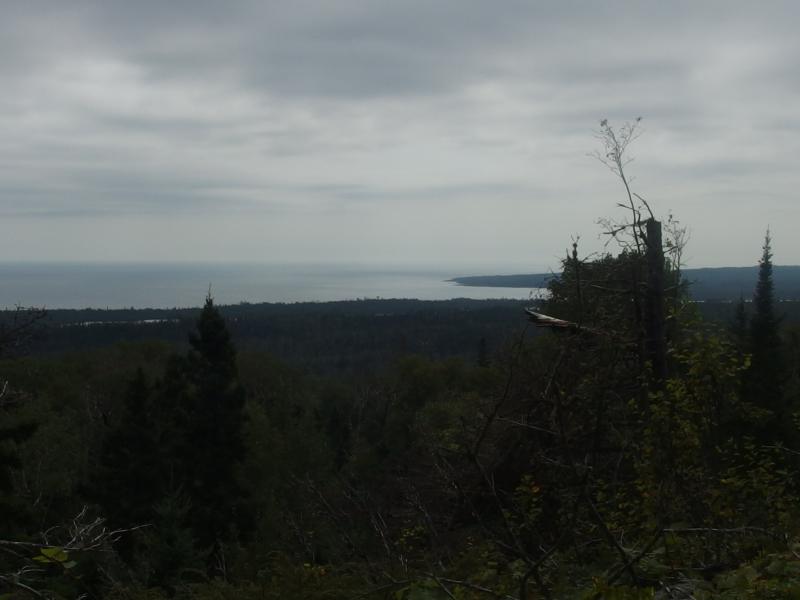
{"x": 717, "y": 284}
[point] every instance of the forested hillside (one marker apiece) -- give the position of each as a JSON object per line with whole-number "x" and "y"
{"x": 331, "y": 338}
{"x": 327, "y": 338}
{"x": 548, "y": 464}
{"x": 610, "y": 442}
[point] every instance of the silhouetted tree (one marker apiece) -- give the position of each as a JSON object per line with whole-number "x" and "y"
{"x": 213, "y": 447}
{"x": 763, "y": 379}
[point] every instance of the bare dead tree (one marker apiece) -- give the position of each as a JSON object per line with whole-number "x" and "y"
{"x": 657, "y": 252}
{"x": 614, "y": 155}
{"x": 58, "y": 549}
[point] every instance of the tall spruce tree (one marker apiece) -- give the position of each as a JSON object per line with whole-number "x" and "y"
{"x": 764, "y": 378}
{"x": 214, "y": 444}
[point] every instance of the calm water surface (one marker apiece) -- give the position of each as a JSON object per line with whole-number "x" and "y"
{"x": 164, "y": 286}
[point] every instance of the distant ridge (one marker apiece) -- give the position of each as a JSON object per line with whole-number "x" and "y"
{"x": 717, "y": 283}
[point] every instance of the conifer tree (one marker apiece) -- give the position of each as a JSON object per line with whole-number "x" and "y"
{"x": 214, "y": 445}
{"x": 765, "y": 323}
{"x": 764, "y": 377}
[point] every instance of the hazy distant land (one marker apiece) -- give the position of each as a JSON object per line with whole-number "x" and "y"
{"x": 149, "y": 285}
{"x": 720, "y": 283}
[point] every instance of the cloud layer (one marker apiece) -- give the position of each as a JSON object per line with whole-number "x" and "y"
{"x": 452, "y": 132}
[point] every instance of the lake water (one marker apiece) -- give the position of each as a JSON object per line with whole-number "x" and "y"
{"x": 166, "y": 286}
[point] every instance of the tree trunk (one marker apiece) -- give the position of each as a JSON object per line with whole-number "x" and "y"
{"x": 654, "y": 311}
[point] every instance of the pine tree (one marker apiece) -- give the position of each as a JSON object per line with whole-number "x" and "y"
{"x": 765, "y": 324}
{"x": 763, "y": 380}
{"x": 214, "y": 445}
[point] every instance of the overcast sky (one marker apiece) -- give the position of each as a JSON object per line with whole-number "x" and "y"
{"x": 404, "y": 132}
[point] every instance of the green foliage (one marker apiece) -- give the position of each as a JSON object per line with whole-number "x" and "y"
{"x": 167, "y": 555}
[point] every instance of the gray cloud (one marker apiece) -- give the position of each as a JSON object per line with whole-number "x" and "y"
{"x": 391, "y": 129}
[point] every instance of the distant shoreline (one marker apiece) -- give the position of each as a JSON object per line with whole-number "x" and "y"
{"x": 711, "y": 283}
{"x": 169, "y": 285}
{"x": 533, "y": 280}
